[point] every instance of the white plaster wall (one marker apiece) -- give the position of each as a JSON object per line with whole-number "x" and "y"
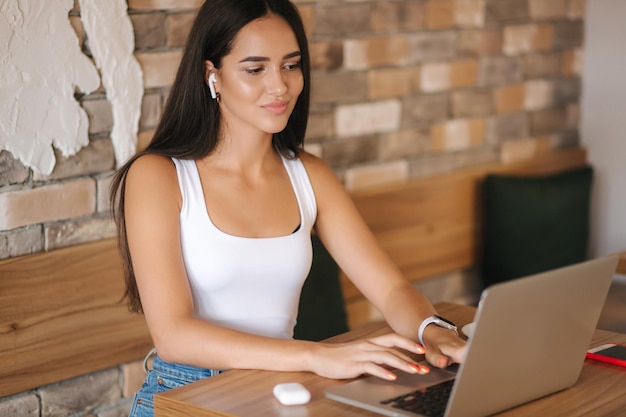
{"x": 112, "y": 42}
{"x": 41, "y": 66}
{"x": 603, "y": 121}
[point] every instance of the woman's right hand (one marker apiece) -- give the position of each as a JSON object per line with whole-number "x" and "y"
{"x": 373, "y": 356}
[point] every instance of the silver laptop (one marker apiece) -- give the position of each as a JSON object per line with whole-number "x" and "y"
{"x": 529, "y": 340}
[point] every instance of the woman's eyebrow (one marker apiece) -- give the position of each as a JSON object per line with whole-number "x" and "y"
{"x": 292, "y": 55}
{"x": 263, "y": 59}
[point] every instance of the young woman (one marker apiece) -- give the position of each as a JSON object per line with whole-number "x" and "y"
{"x": 215, "y": 216}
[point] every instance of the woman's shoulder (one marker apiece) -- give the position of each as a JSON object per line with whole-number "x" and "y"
{"x": 152, "y": 164}
{"x": 152, "y": 179}
{"x": 151, "y": 170}
{"x": 314, "y": 165}
{"x": 322, "y": 177}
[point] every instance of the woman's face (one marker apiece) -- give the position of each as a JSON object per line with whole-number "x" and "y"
{"x": 260, "y": 80}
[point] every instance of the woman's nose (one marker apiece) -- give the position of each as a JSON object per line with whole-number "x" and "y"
{"x": 276, "y": 83}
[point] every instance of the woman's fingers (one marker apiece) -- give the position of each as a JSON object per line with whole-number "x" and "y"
{"x": 386, "y": 370}
{"x": 446, "y": 354}
{"x": 379, "y": 371}
{"x": 377, "y": 356}
{"x": 395, "y": 340}
{"x": 455, "y": 351}
{"x": 390, "y": 343}
{"x": 439, "y": 360}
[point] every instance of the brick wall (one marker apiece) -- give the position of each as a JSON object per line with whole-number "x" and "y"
{"x": 401, "y": 89}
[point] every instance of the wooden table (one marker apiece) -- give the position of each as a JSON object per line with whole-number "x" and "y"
{"x": 600, "y": 391}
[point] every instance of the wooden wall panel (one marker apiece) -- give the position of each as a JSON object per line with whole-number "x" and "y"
{"x": 61, "y": 316}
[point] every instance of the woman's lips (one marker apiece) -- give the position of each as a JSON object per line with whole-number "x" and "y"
{"x": 278, "y": 107}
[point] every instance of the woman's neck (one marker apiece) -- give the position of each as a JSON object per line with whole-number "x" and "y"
{"x": 243, "y": 154}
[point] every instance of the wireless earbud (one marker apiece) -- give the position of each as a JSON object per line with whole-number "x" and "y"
{"x": 211, "y": 82}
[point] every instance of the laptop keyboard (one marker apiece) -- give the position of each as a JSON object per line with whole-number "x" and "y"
{"x": 430, "y": 401}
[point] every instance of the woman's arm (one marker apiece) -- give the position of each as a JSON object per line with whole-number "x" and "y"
{"x": 349, "y": 240}
{"x": 152, "y": 208}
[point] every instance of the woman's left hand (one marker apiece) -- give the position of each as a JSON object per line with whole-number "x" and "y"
{"x": 444, "y": 347}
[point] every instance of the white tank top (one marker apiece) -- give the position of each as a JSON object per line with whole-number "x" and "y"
{"x": 248, "y": 284}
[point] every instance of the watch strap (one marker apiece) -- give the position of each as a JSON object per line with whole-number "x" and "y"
{"x": 437, "y": 320}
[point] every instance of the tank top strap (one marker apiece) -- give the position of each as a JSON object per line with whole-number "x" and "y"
{"x": 190, "y": 186}
{"x": 303, "y": 189}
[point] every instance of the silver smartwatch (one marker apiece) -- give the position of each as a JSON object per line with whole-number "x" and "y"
{"x": 436, "y": 320}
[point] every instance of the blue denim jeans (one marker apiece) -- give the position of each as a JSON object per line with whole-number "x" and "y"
{"x": 162, "y": 377}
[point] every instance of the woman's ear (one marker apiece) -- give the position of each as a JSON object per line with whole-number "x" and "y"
{"x": 210, "y": 78}
{"x": 208, "y": 69}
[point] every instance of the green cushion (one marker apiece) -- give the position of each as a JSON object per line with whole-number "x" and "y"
{"x": 534, "y": 224}
{"x": 321, "y": 313}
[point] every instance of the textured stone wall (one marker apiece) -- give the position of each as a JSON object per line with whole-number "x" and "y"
{"x": 401, "y": 89}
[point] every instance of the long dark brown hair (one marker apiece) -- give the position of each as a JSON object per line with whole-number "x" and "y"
{"x": 190, "y": 125}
